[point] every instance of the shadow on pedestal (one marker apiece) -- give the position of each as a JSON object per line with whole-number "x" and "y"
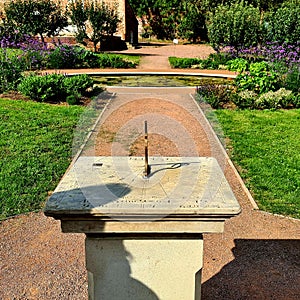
{"x": 109, "y": 272}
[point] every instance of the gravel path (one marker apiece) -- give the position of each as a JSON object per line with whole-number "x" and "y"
{"x": 257, "y": 256}
{"x": 156, "y": 57}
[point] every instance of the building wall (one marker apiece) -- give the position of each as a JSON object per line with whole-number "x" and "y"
{"x": 127, "y": 29}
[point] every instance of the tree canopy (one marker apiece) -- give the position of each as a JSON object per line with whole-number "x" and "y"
{"x": 103, "y": 20}
{"x": 167, "y": 19}
{"x": 37, "y": 17}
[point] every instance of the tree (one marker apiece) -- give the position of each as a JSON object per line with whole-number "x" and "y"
{"x": 93, "y": 20}
{"x": 78, "y": 13}
{"x": 103, "y": 21}
{"x": 192, "y": 25}
{"x": 236, "y": 25}
{"x": 36, "y": 17}
{"x": 263, "y": 5}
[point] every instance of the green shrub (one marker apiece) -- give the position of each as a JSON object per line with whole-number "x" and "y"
{"x": 77, "y": 84}
{"x": 245, "y": 99}
{"x": 65, "y": 57}
{"x": 274, "y": 100}
{"x": 11, "y": 67}
{"x": 216, "y": 95}
{"x": 292, "y": 79}
{"x": 43, "y": 88}
{"x": 296, "y": 100}
{"x": 219, "y": 58}
{"x": 183, "y": 63}
{"x": 237, "y": 25}
{"x": 55, "y": 87}
{"x": 72, "y": 99}
{"x": 214, "y": 61}
{"x": 113, "y": 61}
{"x": 238, "y": 64}
{"x": 284, "y": 24}
{"x": 88, "y": 59}
{"x": 259, "y": 79}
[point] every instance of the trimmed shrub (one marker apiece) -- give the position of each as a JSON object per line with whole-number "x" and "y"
{"x": 214, "y": 61}
{"x": 183, "y": 63}
{"x": 114, "y": 61}
{"x": 55, "y": 87}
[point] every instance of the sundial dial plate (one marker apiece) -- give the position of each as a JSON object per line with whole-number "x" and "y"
{"x": 116, "y": 186}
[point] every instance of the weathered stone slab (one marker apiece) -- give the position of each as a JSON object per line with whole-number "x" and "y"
{"x": 113, "y": 189}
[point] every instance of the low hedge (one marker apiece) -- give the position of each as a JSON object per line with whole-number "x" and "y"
{"x": 55, "y": 87}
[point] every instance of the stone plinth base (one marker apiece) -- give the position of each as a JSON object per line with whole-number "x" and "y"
{"x": 144, "y": 269}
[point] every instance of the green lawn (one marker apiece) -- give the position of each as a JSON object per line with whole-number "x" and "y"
{"x": 36, "y": 145}
{"x": 266, "y": 146}
{"x": 35, "y": 150}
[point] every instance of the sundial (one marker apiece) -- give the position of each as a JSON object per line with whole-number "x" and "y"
{"x": 138, "y": 188}
{"x": 143, "y": 217}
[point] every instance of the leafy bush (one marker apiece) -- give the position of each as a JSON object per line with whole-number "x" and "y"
{"x": 238, "y": 64}
{"x": 274, "y": 100}
{"x": 11, "y": 67}
{"x": 296, "y": 100}
{"x": 55, "y": 87}
{"x": 77, "y": 84}
{"x": 216, "y": 95}
{"x": 245, "y": 99}
{"x": 236, "y": 25}
{"x": 88, "y": 59}
{"x": 43, "y": 88}
{"x": 291, "y": 80}
{"x": 214, "y": 61}
{"x": 67, "y": 57}
{"x": 64, "y": 57}
{"x": 284, "y": 24}
{"x": 72, "y": 99}
{"x": 259, "y": 79}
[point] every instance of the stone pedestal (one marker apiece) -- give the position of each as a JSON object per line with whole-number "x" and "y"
{"x": 162, "y": 268}
{"x": 143, "y": 235}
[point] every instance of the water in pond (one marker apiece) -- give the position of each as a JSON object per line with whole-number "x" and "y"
{"x": 157, "y": 80}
